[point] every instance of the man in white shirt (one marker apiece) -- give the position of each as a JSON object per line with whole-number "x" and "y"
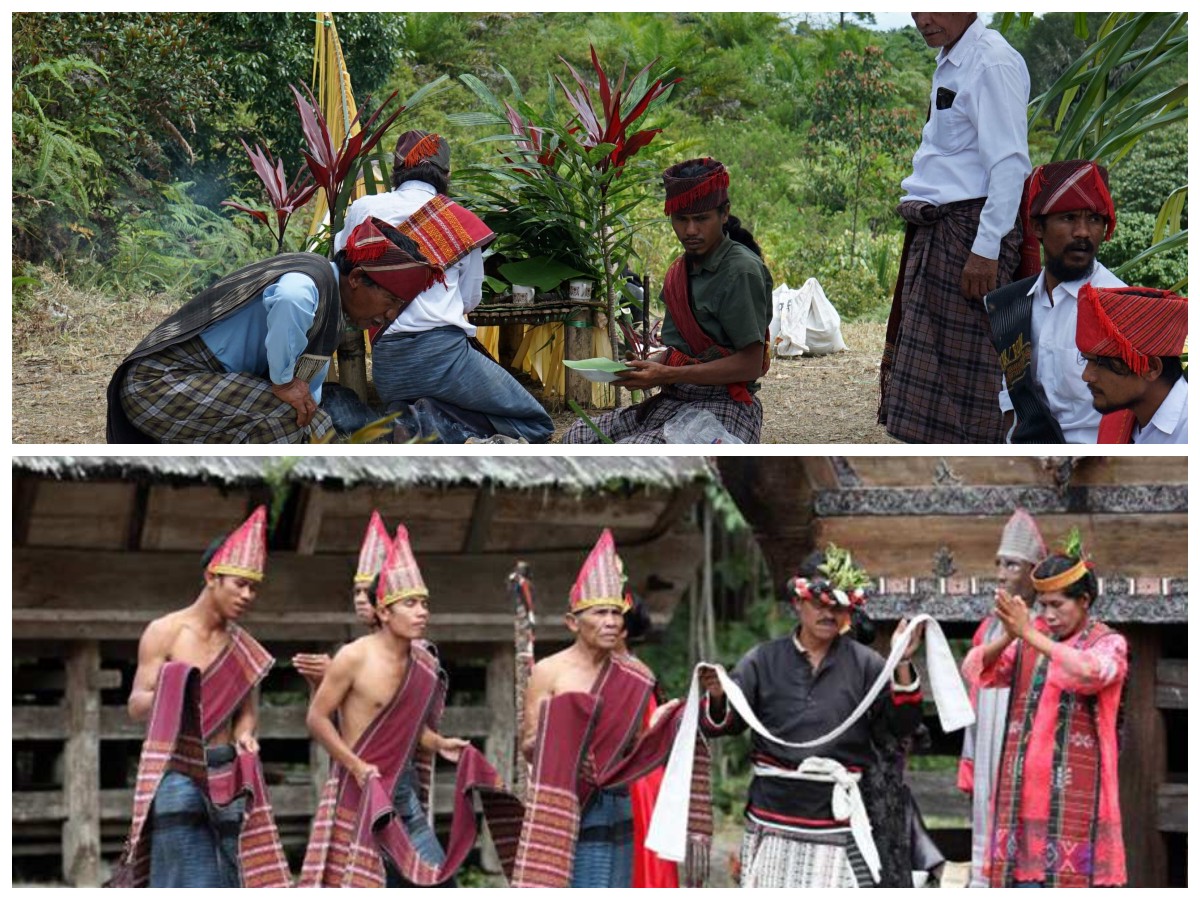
{"x": 1069, "y": 213}
{"x": 1131, "y": 339}
{"x": 939, "y": 376}
{"x": 428, "y": 352}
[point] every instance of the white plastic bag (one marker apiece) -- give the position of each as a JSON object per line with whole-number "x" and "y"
{"x": 804, "y": 322}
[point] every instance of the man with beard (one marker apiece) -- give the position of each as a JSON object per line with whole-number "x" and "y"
{"x": 718, "y": 300}
{"x": 1130, "y": 340}
{"x": 939, "y": 376}
{"x": 1069, "y": 212}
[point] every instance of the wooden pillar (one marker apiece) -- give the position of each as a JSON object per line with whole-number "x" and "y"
{"x": 502, "y": 741}
{"x": 81, "y": 766}
{"x": 1143, "y": 761}
{"x": 352, "y": 363}
{"x": 578, "y": 346}
{"x": 511, "y": 336}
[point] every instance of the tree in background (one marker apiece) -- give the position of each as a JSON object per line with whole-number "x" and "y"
{"x": 853, "y": 117}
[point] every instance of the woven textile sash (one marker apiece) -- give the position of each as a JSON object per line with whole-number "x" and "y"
{"x": 222, "y": 300}
{"x": 230, "y": 678}
{"x": 334, "y": 857}
{"x": 445, "y": 231}
{"x": 572, "y": 738}
{"x": 704, "y": 348}
{"x": 174, "y": 743}
{"x": 1116, "y": 427}
{"x": 1010, "y": 314}
{"x": 666, "y": 837}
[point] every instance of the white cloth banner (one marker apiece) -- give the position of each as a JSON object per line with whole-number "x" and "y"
{"x": 667, "y": 834}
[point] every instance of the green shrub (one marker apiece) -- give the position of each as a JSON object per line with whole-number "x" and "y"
{"x": 1132, "y": 236}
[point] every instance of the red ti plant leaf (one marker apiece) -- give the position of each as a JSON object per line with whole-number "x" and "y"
{"x": 283, "y": 198}
{"x": 616, "y": 126}
{"x": 330, "y": 165}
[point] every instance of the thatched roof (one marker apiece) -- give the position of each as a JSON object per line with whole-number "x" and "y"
{"x": 573, "y": 474}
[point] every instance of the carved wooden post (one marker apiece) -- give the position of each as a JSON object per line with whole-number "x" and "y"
{"x": 81, "y": 766}
{"x": 521, "y": 591}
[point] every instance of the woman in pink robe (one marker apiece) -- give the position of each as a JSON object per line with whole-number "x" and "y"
{"x": 1055, "y": 818}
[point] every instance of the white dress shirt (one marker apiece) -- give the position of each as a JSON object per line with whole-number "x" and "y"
{"x": 440, "y": 304}
{"x": 979, "y": 146}
{"x": 1056, "y": 371}
{"x": 1168, "y": 425}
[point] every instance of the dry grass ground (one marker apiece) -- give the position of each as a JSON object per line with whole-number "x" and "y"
{"x": 67, "y": 345}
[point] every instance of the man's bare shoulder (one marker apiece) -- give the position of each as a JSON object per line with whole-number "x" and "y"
{"x": 354, "y": 653}
{"x": 553, "y": 663}
{"x": 161, "y": 632}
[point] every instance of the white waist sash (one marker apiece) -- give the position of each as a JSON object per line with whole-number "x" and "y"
{"x": 667, "y": 834}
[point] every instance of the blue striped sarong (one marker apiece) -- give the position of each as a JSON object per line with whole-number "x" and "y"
{"x": 192, "y": 842}
{"x": 604, "y": 850}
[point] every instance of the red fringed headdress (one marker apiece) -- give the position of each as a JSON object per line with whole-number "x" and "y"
{"x": 695, "y": 194}
{"x": 376, "y": 254}
{"x": 1133, "y": 323}
{"x": 415, "y": 147}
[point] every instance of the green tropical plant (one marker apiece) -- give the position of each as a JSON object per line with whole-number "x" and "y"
{"x": 565, "y": 187}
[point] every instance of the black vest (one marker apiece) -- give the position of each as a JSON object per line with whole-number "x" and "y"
{"x": 1010, "y": 312}
{"x": 223, "y": 299}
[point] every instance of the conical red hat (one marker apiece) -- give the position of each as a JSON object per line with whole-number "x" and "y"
{"x": 400, "y": 578}
{"x": 374, "y": 550}
{"x": 601, "y": 581}
{"x": 244, "y": 553}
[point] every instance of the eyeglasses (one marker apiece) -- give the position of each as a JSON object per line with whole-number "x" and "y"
{"x": 1113, "y": 364}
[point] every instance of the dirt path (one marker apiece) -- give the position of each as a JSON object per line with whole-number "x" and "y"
{"x": 66, "y": 348}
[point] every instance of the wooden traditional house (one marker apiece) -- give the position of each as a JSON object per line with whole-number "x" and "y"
{"x": 102, "y": 545}
{"x": 928, "y": 528}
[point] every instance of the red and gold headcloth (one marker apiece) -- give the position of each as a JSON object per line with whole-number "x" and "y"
{"x": 244, "y": 553}
{"x": 400, "y": 578}
{"x": 695, "y": 193}
{"x": 601, "y": 581}
{"x": 416, "y": 147}
{"x": 374, "y": 550}
{"x": 1132, "y": 323}
{"x": 394, "y": 269}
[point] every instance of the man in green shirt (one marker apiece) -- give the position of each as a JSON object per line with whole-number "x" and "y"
{"x": 718, "y": 299}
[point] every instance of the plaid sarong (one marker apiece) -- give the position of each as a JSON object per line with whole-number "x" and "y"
{"x": 643, "y": 423}
{"x": 354, "y": 826}
{"x": 218, "y": 302}
{"x": 940, "y": 374}
{"x": 1055, "y": 818}
{"x": 801, "y": 857}
{"x": 584, "y": 745}
{"x": 189, "y": 708}
{"x": 183, "y": 395}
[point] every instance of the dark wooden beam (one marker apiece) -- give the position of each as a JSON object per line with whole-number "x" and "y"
{"x": 481, "y": 520}
{"x": 1143, "y": 761}
{"x": 25, "y": 491}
